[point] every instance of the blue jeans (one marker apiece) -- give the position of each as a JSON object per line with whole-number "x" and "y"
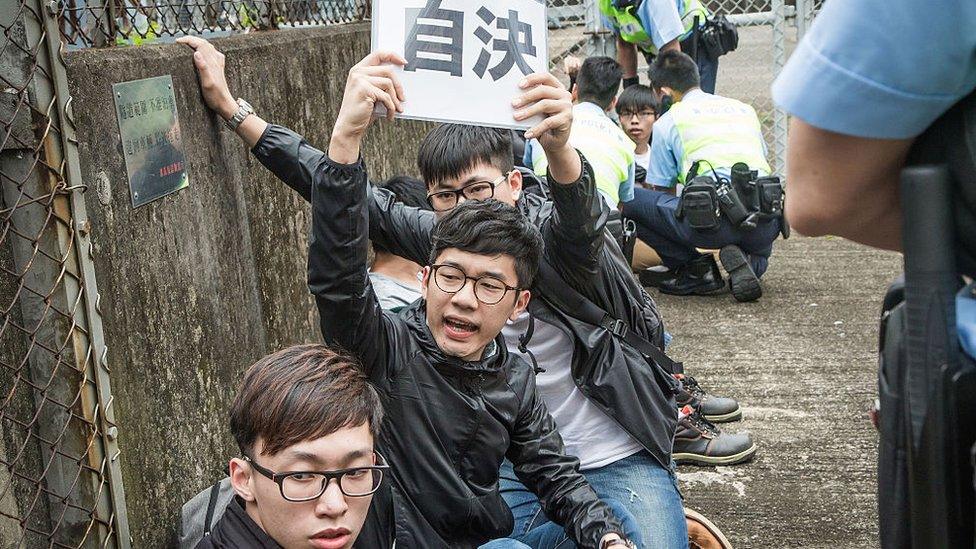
{"x": 653, "y": 212}
{"x": 642, "y": 494}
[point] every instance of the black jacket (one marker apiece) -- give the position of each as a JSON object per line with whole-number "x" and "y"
{"x": 637, "y": 393}
{"x": 237, "y": 529}
{"x": 449, "y": 423}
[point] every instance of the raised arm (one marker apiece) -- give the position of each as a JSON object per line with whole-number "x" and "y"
{"x": 349, "y": 312}
{"x": 537, "y": 453}
{"x": 574, "y": 238}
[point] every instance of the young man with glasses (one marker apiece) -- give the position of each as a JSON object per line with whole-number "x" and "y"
{"x": 637, "y": 109}
{"x": 304, "y": 418}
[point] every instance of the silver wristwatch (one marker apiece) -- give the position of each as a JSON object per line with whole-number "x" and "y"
{"x": 244, "y": 109}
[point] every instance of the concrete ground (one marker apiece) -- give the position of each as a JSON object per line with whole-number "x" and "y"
{"x": 802, "y": 363}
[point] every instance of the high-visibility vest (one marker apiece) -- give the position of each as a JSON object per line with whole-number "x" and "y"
{"x": 719, "y": 131}
{"x": 631, "y": 30}
{"x": 606, "y": 147}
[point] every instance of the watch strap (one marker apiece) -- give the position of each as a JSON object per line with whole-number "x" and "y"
{"x": 244, "y": 109}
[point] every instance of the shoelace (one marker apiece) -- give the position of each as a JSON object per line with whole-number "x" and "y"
{"x": 700, "y": 423}
{"x": 693, "y": 387}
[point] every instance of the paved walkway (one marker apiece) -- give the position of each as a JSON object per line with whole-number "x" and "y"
{"x": 802, "y": 363}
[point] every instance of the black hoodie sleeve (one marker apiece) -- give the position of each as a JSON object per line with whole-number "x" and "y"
{"x": 574, "y": 236}
{"x": 350, "y": 314}
{"x": 541, "y": 464}
{"x": 403, "y": 230}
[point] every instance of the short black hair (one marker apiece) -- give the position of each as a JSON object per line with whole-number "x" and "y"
{"x": 599, "y": 80}
{"x": 409, "y": 190}
{"x": 636, "y": 98}
{"x": 491, "y": 227}
{"x": 675, "y": 70}
{"x": 449, "y": 150}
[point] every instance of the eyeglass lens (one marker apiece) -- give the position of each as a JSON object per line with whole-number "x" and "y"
{"x": 489, "y": 290}
{"x": 308, "y": 486}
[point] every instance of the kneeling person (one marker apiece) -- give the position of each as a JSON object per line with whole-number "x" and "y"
{"x": 713, "y": 133}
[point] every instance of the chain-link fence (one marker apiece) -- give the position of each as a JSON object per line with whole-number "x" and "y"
{"x": 59, "y": 480}
{"x": 97, "y": 23}
{"x": 765, "y": 40}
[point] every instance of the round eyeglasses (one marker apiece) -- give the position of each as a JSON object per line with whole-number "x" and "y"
{"x": 488, "y": 289}
{"x": 443, "y": 201}
{"x": 300, "y": 486}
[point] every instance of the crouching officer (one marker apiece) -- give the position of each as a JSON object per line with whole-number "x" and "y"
{"x": 713, "y": 146}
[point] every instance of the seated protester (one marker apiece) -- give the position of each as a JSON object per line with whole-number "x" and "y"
{"x": 637, "y": 110}
{"x": 627, "y": 397}
{"x": 606, "y": 147}
{"x": 459, "y": 402}
{"x": 304, "y": 419}
{"x": 708, "y": 135}
{"x": 394, "y": 278}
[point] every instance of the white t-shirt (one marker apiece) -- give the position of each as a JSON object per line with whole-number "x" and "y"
{"x": 643, "y": 160}
{"x": 588, "y": 433}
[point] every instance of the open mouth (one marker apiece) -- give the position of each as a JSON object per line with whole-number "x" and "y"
{"x": 456, "y": 328}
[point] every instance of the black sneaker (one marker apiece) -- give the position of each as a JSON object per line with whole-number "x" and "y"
{"x": 715, "y": 408}
{"x": 699, "y": 442}
{"x": 742, "y": 279}
{"x": 699, "y": 276}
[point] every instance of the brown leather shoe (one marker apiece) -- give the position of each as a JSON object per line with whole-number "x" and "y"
{"x": 702, "y": 534}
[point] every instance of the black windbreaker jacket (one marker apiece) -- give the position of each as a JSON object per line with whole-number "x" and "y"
{"x": 637, "y": 393}
{"x": 449, "y": 423}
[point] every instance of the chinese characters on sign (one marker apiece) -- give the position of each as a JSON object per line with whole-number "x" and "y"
{"x": 464, "y": 58}
{"x": 151, "y": 144}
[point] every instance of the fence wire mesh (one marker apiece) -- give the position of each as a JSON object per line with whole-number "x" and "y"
{"x": 747, "y": 73}
{"x": 97, "y": 23}
{"x": 58, "y": 476}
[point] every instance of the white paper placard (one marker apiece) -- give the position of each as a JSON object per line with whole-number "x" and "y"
{"x": 463, "y": 63}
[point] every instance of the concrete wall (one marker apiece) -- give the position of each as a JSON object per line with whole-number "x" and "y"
{"x": 198, "y": 285}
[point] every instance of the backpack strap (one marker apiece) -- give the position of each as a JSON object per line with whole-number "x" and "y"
{"x": 575, "y": 304}
{"x": 211, "y": 507}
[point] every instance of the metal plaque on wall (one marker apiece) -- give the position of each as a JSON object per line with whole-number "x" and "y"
{"x": 151, "y": 143}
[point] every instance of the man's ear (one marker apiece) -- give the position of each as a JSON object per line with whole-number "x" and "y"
{"x": 425, "y": 278}
{"x": 515, "y": 182}
{"x": 520, "y": 304}
{"x": 240, "y": 478}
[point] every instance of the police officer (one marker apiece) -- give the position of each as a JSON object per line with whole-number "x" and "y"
{"x": 713, "y": 133}
{"x": 607, "y": 148}
{"x": 655, "y": 26}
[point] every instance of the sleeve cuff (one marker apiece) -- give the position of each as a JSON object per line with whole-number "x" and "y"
{"x": 834, "y": 98}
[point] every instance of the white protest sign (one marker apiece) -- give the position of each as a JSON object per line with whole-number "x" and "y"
{"x": 465, "y": 58}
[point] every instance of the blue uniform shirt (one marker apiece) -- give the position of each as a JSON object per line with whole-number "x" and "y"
{"x": 661, "y": 20}
{"x": 881, "y": 68}
{"x": 667, "y": 151}
{"x": 885, "y": 69}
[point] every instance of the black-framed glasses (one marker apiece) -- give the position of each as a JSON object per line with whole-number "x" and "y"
{"x": 443, "y": 201}
{"x": 488, "y": 289}
{"x": 644, "y": 114}
{"x": 300, "y": 486}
